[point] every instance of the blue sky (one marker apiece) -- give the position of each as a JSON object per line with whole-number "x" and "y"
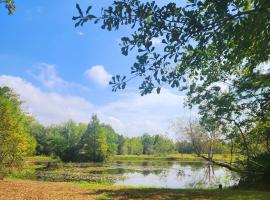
{"x": 62, "y": 72}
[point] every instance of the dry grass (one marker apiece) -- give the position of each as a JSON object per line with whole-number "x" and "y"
{"x": 29, "y": 190}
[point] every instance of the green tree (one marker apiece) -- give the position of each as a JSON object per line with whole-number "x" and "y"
{"x": 111, "y": 139}
{"x": 40, "y": 133}
{"x": 49, "y": 140}
{"x": 184, "y": 147}
{"x": 94, "y": 142}
{"x": 136, "y": 145}
{"x": 15, "y": 142}
{"x": 148, "y": 143}
{"x": 199, "y": 39}
{"x": 133, "y": 146}
{"x": 66, "y": 140}
{"x": 120, "y": 144}
{"x": 61, "y": 140}
{"x": 163, "y": 145}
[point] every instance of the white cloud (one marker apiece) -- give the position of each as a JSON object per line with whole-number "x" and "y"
{"x": 135, "y": 115}
{"x": 49, "y": 107}
{"x": 263, "y": 68}
{"x": 131, "y": 114}
{"x": 156, "y": 41}
{"x": 138, "y": 114}
{"x": 224, "y": 86}
{"x": 99, "y": 75}
{"x": 47, "y": 75}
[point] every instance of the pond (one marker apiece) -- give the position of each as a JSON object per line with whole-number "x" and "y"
{"x": 166, "y": 174}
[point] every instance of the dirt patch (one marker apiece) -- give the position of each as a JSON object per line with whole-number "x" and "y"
{"x": 27, "y": 190}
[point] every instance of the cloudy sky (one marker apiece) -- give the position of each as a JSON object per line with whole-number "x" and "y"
{"x": 62, "y": 73}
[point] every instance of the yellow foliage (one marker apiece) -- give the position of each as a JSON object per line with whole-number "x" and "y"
{"x": 15, "y": 142}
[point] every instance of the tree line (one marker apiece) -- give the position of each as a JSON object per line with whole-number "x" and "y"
{"x": 22, "y": 135}
{"x": 95, "y": 141}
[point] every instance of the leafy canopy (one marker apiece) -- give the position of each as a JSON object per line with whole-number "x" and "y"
{"x": 10, "y": 5}
{"x": 94, "y": 143}
{"x": 205, "y": 40}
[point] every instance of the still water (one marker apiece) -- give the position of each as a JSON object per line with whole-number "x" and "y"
{"x": 153, "y": 174}
{"x": 181, "y": 175}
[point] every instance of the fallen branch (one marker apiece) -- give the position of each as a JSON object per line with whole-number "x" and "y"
{"x": 226, "y": 165}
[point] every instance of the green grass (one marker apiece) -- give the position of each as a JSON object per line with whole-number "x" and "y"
{"x": 27, "y": 171}
{"x": 103, "y": 196}
{"x": 186, "y": 194}
{"x": 29, "y": 167}
{"x": 173, "y": 157}
{"x": 126, "y": 192}
{"x": 162, "y": 157}
{"x": 41, "y": 159}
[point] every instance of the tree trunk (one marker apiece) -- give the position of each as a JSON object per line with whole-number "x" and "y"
{"x": 228, "y": 166}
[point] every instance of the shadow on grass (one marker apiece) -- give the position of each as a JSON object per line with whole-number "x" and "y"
{"x": 157, "y": 194}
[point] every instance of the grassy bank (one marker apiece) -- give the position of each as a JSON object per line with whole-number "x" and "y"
{"x": 127, "y": 192}
{"x": 165, "y": 157}
{"x": 20, "y": 190}
{"x": 30, "y": 165}
{"x": 173, "y": 157}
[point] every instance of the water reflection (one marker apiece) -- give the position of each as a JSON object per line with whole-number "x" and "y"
{"x": 181, "y": 175}
{"x": 143, "y": 173}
